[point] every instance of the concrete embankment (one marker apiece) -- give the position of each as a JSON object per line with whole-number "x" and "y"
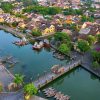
{"x": 12, "y": 31}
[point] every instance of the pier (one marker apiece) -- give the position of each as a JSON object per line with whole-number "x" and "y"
{"x": 50, "y": 76}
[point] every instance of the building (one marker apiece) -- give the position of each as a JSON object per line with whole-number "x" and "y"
{"x": 74, "y": 1}
{"x": 8, "y": 0}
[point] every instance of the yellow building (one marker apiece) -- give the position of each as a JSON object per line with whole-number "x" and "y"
{"x": 22, "y": 25}
{"x": 49, "y": 30}
{"x": 1, "y": 20}
{"x": 52, "y": 29}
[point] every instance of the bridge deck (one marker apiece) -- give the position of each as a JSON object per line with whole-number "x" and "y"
{"x": 50, "y": 76}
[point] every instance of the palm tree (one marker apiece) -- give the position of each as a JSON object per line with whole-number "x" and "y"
{"x": 18, "y": 80}
{"x": 29, "y": 90}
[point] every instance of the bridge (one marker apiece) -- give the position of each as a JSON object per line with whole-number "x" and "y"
{"x": 50, "y": 76}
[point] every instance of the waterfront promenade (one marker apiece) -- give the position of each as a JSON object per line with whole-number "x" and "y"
{"x": 22, "y": 35}
{"x": 12, "y": 31}
{"x": 50, "y": 76}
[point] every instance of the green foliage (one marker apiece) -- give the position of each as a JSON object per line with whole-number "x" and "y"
{"x": 96, "y": 64}
{"x": 14, "y": 24}
{"x": 7, "y": 7}
{"x": 18, "y": 79}
{"x": 71, "y": 11}
{"x": 98, "y": 37}
{"x": 73, "y": 26}
{"x": 1, "y": 87}
{"x": 43, "y": 10}
{"x": 96, "y": 55}
{"x": 64, "y": 48}
{"x": 36, "y": 32}
{"x": 30, "y": 89}
{"x": 63, "y": 38}
{"x": 85, "y": 19}
{"x": 83, "y": 45}
{"x": 20, "y": 15}
{"x": 91, "y": 39}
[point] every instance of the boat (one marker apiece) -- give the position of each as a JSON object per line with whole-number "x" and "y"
{"x": 46, "y": 43}
{"x": 20, "y": 43}
{"x": 38, "y": 46}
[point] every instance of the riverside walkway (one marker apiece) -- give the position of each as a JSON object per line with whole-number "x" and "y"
{"x": 12, "y": 31}
{"x": 5, "y": 77}
{"x": 50, "y": 76}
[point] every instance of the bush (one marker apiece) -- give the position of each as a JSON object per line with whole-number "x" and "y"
{"x": 83, "y": 45}
{"x": 96, "y": 65}
{"x": 36, "y": 32}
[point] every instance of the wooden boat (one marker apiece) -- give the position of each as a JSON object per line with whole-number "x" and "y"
{"x": 20, "y": 43}
{"x": 37, "y": 46}
{"x": 46, "y": 43}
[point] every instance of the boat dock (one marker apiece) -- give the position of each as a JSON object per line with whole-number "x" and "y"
{"x": 50, "y": 76}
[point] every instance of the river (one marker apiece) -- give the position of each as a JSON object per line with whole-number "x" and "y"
{"x": 79, "y": 84}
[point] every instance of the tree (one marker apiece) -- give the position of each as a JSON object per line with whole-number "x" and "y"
{"x": 54, "y": 10}
{"x": 62, "y": 37}
{"x": 7, "y": 7}
{"x": 43, "y": 10}
{"x": 30, "y": 89}
{"x": 18, "y": 79}
{"x": 84, "y": 18}
{"x": 36, "y": 32}
{"x": 96, "y": 55}
{"x": 96, "y": 65}
{"x": 98, "y": 37}
{"x": 91, "y": 39}
{"x": 64, "y": 48}
{"x": 15, "y": 24}
{"x": 83, "y": 45}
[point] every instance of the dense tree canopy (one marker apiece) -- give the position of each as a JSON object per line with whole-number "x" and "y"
{"x": 83, "y": 45}
{"x": 36, "y": 32}
{"x": 7, "y": 7}
{"x": 71, "y": 11}
{"x": 98, "y": 37}
{"x": 85, "y": 19}
{"x": 43, "y": 10}
{"x": 63, "y": 37}
{"x": 91, "y": 39}
{"x": 64, "y": 48}
{"x": 96, "y": 55}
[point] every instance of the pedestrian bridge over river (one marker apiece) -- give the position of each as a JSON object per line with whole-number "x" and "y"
{"x": 50, "y": 76}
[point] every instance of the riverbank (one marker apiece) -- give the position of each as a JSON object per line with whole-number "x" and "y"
{"x": 22, "y": 35}
{"x": 12, "y": 31}
{"x": 86, "y": 61}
